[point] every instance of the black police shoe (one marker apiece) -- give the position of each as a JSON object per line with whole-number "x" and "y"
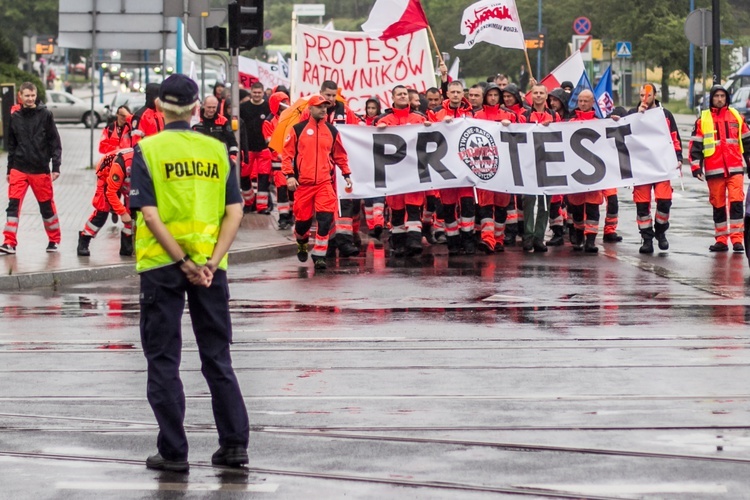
{"x": 719, "y": 247}
{"x": 738, "y": 248}
{"x": 230, "y": 456}
{"x": 157, "y": 462}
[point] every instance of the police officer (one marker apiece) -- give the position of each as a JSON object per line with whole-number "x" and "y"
{"x": 190, "y": 209}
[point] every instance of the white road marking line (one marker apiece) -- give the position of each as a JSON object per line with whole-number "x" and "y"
{"x": 159, "y": 486}
{"x": 629, "y": 489}
{"x": 333, "y": 339}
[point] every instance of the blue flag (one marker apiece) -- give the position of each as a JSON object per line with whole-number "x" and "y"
{"x": 603, "y": 93}
{"x": 583, "y": 84}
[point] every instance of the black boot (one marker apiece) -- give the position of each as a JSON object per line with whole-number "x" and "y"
{"x": 83, "y": 245}
{"x": 662, "y": 239}
{"x": 612, "y": 238}
{"x": 590, "y": 245}
{"x": 413, "y": 243}
{"x": 467, "y": 243}
{"x": 454, "y": 245}
{"x": 511, "y": 231}
{"x": 427, "y": 233}
{"x": 398, "y": 244}
{"x": 346, "y": 245}
{"x": 348, "y": 249}
{"x": 577, "y": 239}
{"x": 126, "y": 245}
{"x": 557, "y": 239}
{"x": 332, "y": 247}
{"x": 647, "y": 246}
{"x": 285, "y": 221}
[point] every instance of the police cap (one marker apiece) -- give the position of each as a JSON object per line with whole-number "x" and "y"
{"x": 179, "y": 90}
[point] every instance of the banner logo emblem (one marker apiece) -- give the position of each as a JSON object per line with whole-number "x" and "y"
{"x": 477, "y": 149}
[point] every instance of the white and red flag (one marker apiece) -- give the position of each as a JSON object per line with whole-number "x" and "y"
{"x": 571, "y": 70}
{"x": 393, "y": 18}
{"x": 492, "y": 21}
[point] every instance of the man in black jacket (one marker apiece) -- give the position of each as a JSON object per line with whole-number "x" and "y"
{"x": 33, "y": 141}
{"x": 216, "y": 125}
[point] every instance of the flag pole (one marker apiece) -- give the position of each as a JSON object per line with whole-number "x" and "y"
{"x": 439, "y": 54}
{"x": 528, "y": 65}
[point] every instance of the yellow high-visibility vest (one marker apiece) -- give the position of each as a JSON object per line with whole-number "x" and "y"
{"x": 189, "y": 173}
{"x": 709, "y": 134}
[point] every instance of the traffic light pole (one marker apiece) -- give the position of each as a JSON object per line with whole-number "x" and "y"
{"x": 234, "y": 77}
{"x": 232, "y": 64}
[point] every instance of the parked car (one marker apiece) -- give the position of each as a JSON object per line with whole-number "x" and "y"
{"x": 133, "y": 100}
{"x": 741, "y": 102}
{"x": 67, "y": 108}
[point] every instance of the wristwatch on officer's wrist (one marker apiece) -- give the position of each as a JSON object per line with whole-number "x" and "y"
{"x": 184, "y": 260}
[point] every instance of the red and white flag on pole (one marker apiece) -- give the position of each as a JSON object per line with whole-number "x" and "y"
{"x": 393, "y": 18}
{"x": 492, "y": 21}
{"x": 571, "y": 70}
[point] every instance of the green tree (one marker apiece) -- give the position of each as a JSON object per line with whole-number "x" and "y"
{"x": 8, "y": 51}
{"x": 39, "y": 17}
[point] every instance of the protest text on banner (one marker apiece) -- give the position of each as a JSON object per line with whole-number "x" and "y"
{"x": 363, "y": 67}
{"x": 560, "y": 158}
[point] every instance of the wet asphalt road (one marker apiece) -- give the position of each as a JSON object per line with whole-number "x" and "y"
{"x": 560, "y": 374}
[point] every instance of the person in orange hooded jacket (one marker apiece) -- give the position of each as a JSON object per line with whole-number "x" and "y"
{"x": 278, "y": 102}
{"x": 309, "y": 150}
{"x": 147, "y": 120}
{"x": 493, "y": 206}
{"x": 344, "y": 230}
{"x": 113, "y": 182}
{"x": 116, "y": 135}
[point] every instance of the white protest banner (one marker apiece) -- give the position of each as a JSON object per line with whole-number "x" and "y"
{"x": 363, "y": 67}
{"x": 561, "y": 158}
{"x": 252, "y": 70}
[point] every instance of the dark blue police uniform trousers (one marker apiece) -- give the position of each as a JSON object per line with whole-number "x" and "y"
{"x": 162, "y": 304}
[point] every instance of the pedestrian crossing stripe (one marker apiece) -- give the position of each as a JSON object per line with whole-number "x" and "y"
{"x": 623, "y": 50}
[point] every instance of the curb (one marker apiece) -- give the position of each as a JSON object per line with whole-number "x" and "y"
{"x": 55, "y": 279}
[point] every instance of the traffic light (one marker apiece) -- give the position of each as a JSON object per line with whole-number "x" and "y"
{"x": 216, "y": 38}
{"x": 245, "y": 24}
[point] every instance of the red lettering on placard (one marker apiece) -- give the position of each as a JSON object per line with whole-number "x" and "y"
{"x": 485, "y": 14}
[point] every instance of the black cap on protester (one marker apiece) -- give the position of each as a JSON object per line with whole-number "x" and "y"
{"x": 179, "y": 90}
{"x": 567, "y": 84}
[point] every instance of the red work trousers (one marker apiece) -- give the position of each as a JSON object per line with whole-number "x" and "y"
{"x": 318, "y": 197}
{"x": 41, "y": 186}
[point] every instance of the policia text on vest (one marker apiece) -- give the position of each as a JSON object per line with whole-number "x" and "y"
{"x": 190, "y": 168}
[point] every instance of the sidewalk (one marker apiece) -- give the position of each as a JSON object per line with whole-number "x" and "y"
{"x": 258, "y": 238}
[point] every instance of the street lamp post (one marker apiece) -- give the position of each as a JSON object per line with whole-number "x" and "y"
{"x": 539, "y": 51}
{"x": 716, "y": 40}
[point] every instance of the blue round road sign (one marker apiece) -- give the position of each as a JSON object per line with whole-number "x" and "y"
{"x": 267, "y": 35}
{"x": 582, "y": 26}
